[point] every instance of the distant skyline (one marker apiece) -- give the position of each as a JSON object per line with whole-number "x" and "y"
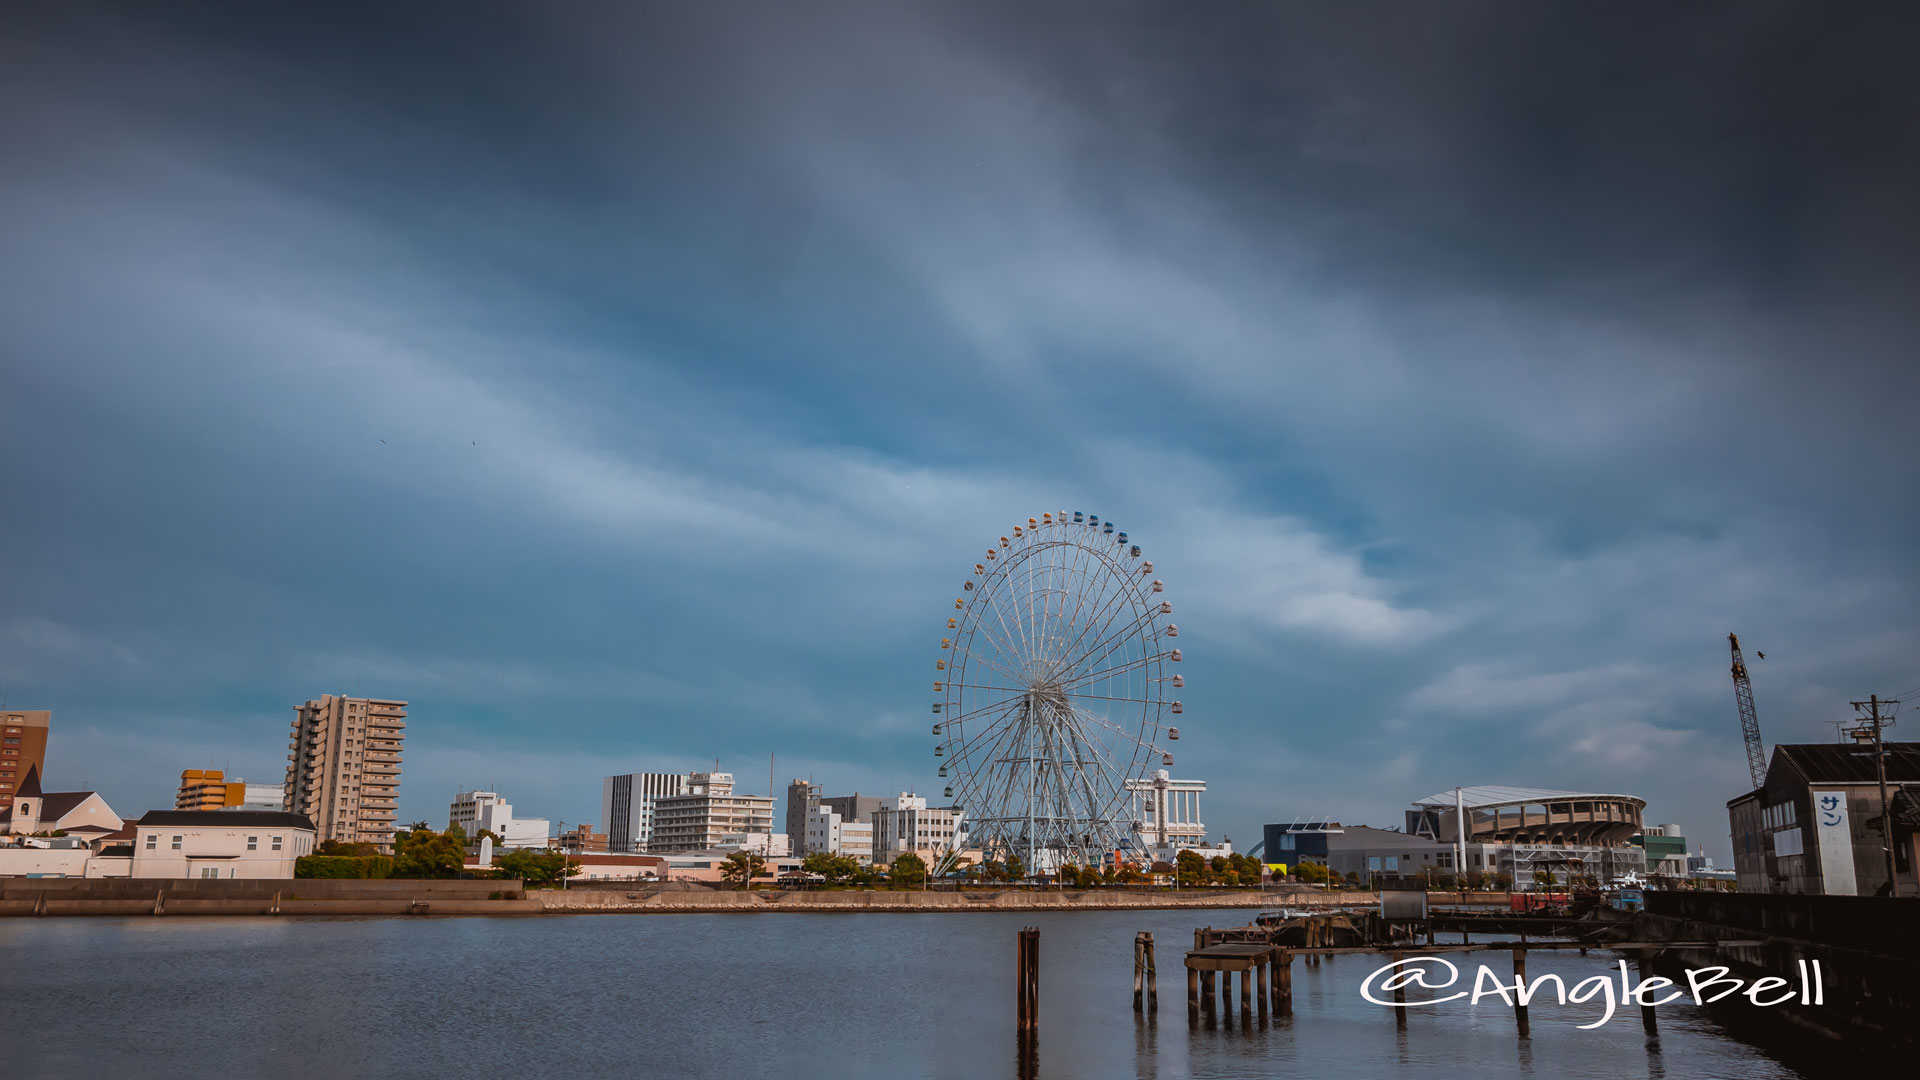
{"x": 627, "y": 388}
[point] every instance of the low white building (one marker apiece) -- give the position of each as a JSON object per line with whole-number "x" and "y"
{"x": 905, "y": 823}
{"x": 477, "y": 810}
{"x": 766, "y": 845}
{"x": 228, "y": 844}
{"x": 261, "y": 797}
{"x": 828, "y": 833}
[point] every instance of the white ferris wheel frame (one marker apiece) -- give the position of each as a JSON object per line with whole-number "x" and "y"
{"x": 1053, "y": 685}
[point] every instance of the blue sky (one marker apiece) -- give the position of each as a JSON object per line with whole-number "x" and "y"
{"x": 1468, "y": 376}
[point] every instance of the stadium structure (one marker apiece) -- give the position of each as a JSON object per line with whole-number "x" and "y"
{"x": 1527, "y": 833}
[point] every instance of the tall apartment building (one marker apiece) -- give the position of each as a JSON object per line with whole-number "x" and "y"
{"x": 706, "y": 814}
{"x": 23, "y": 746}
{"x": 209, "y": 789}
{"x": 344, "y": 769}
{"x": 801, "y": 796}
{"x": 626, "y": 805}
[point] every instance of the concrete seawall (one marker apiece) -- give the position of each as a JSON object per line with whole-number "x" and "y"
{"x": 164, "y": 897}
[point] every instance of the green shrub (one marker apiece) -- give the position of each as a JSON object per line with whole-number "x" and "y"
{"x": 343, "y": 866}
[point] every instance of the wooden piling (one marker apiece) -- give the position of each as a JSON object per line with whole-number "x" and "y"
{"x": 1153, "y": 981}
{"x": 1646, "y": 1008}
{"x": 1520, "y": 980}
{"x": 1139, "y": 974}
{"x": 1283, "y": 1000}
{"x": 1208, "y": 1003}
{"x": 1399, "y": 997}
{"x": 1193, "y": 996}
{"x": 1028, "y": 979}
{"x": 1146, "y": 983}
{"x": 1260, "y": 985}
{"x": 1246, "y": 992}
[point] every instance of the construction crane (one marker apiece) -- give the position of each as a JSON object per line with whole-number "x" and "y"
{"x": 1749, "y": 720}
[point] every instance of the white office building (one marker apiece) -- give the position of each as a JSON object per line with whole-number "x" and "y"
{"x": 474, "y": 811}
{"x": 627, "y": 806}
{"x": 826, "y": 832}
{"x": 905, "y": 823}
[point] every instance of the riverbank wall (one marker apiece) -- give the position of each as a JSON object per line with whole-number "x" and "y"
{"x": 1868, "y": 949}
{"x": 165, "y": 897}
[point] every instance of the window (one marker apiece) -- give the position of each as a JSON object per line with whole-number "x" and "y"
{"x": 176, "y": 843}
{"x": 276, "y": 843}
{"x": 153, "y": 841}
{"x": 253, "y": 843}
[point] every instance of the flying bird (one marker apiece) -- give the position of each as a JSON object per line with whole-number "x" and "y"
{"x": 1761, "y": 655}
{"x": 383, "y": 442}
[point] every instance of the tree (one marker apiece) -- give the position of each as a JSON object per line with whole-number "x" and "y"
{"x": 1310, "y": 872}
{"x": 742, "y": 867}
{"x": 353, "y": 851}
{"x": 1090, "y": 878}
{"x": 1218, "y": 865}
{"x": 536, "y": 868}
{"x": 1129, "y": 874}
{"x": 835, "y": 868}
{"x": 1016, "y": 870}
{"x": 1069, "y": 874}
{"x": 423, "y": 853}
{"x": 1191, "y": 869}
{"x": 909, "y": 870}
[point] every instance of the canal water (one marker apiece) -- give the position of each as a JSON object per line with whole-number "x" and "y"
{"x": 788, "y": 996}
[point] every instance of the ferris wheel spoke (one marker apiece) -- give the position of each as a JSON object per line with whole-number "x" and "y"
{"x": 1108, "y": 633}
{"x": 1109, "y": 607}
{"x": 1109, "y": 672}
{"x": 1094, "y": 801}
{"x": 1114, "y": 642}
{"x": 964, "y": 655}
{"x": 1083, "y": 557}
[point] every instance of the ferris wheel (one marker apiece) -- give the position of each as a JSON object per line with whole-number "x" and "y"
{"x": 1053, "y": 689}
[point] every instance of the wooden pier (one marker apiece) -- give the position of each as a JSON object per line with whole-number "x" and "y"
{"x": 1267, "y": 969}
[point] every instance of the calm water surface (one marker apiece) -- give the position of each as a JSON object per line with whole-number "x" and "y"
{"x": 791, "y": 996}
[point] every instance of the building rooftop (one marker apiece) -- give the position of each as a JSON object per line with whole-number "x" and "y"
{"x": 228, "y": 819}
{"x": 1492, "y": 795}
{"x": 1848, "y": 763}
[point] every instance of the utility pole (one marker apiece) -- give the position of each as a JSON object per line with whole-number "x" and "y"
{"x": 1873, "y": 704}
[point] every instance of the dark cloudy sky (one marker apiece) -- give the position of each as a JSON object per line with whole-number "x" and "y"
{"x": 1468, "y": 370}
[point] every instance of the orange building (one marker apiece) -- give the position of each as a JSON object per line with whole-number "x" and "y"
{"x": 23, "y": 746}
{"x": 207, "y": 789}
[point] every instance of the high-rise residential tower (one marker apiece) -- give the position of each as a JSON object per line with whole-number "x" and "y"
{"x": 23, "y": 746}
{"x": 344, "y": 769}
